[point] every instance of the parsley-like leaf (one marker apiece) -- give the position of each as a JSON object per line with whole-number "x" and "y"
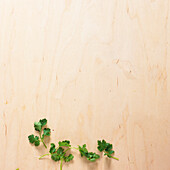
{"x": 101, "y": 145}
{"x": 37, "y": 141}
{"x": 52, "y": 148}
{"x": 91, "y": 156}
{"x": 43, "y": 122}
{"x": 31, "y": 138}
{"x": 60, "y": 151}
{"x": 37, "y": 126}
{"x": 107, "y": 148}
{"x": 55, "y": 157}
{"x": 68, "y": 158}
{"x": 64, "y": 143}
{"x": 46, "y": 131}
{"x": 34, "y": 140}
{"x": 59, "y": 154}
{"x": 83, "y": 150}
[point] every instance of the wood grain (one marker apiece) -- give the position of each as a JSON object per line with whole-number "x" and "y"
{"x": 95, "y": 69}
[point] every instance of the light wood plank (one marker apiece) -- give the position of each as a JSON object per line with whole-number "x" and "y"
{"x": 95, "y": 69}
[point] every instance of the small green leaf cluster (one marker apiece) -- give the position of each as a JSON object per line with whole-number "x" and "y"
{"x": 39, "y": 127}
{"x": 59, "y": 153}
{"x": 91, "y": 156}
{"x": 34, "y": 139}
{"x": 106, "y": 147}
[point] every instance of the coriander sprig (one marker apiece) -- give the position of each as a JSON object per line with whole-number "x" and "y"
{"x": 107, "y": 148}
{"x": 91, "y": 156}
{"x": 38, "y": 127}
{"x": 59, "y": 153}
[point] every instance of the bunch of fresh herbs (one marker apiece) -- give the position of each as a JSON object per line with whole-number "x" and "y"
{"x": 59, "y": 153}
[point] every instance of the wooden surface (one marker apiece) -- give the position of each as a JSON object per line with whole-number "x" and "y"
{"x": 95, "y": 69}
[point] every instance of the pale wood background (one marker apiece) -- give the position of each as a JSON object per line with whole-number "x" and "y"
{"x": 95, "y": 69}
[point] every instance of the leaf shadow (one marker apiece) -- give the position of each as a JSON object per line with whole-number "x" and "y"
{"x": 47, "y": 140}
{"x": 108, "y": 163}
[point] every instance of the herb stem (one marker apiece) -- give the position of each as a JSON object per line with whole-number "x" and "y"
{"x": 115, "y": 158}
{"x": 74, "y": 148}
{"x": 44, "y": 144}
{"x": 69, "y": 149}
{"x": 66, "y": 151}
{"x": 61, "y": 164}
{"x": 42, "y": 141}
{"x": 44, "y": 155}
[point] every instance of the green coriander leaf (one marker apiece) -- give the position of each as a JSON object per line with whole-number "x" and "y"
{"x": 83, "y": 150}
{"x": 37, "y": 141}
{"x": 55, "y": 157}
{"x": 64, "y": 143}
{"x": 92, "y": 156}
{"x": 52, "y": 148}
{"x": 108, "y": 147}
{"x": 68, "y": 158}
{"x": 111, "y": 152}
{"x": 37, "y": 126}
{"x": 91, "y": 159}
{"x": 101, "y": 145}
{"x": 60, "y": 151}
{"x": 31, "y": 138}
{"x": 46, "y": 131}
{"x": 43, "y": 122}
{"x": 36, "y": 138}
